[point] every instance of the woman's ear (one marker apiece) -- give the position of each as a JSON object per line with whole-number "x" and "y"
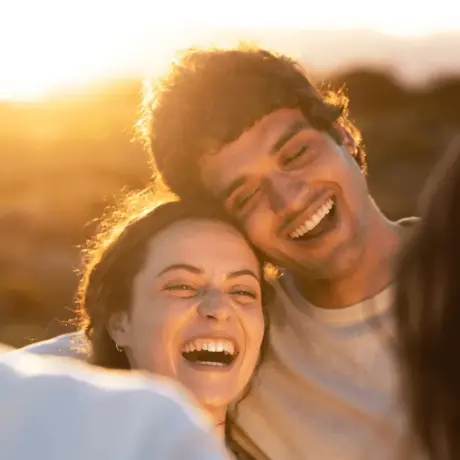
{"x": 118, "y": 328}
{"x": 346, "y": 139}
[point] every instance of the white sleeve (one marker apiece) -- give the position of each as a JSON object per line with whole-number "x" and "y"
{"x": 66, "y": 345}
{"x": 55, "y": 408}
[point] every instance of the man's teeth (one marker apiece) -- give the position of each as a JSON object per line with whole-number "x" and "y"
{"x": 314, "y": 220}
{"x": 220, "y": 345}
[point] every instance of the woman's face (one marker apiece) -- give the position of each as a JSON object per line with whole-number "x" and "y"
{"x": 196, "y": 312}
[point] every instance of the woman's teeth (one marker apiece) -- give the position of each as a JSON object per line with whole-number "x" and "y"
{"x": 220, "y": 345}
{"x": 210, "y": 352}
{"x": 314, "y": 220}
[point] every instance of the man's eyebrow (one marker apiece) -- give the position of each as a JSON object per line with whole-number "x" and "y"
{"x": 227, "y": 191}
{"x": 293, "y": 129}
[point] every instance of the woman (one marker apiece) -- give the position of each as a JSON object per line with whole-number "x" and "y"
{"x": 177, "y": 291}
{"x": 428, "y": 315}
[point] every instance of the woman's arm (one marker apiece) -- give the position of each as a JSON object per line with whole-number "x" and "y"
{"x": 55, "y": 408}
{"x": 70, "y": 345}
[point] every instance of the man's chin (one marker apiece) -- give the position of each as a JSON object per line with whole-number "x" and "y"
{"x": 330, "y": 264}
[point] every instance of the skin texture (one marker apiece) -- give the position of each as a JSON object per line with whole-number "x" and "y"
{"x": 279, "y": 173}
{"x": 200, "y": 279}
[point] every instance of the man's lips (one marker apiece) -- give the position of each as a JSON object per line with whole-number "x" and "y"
{"x": 309, "y": 218}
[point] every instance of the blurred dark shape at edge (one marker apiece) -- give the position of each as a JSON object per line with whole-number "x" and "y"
{"x": 64, "y": 160}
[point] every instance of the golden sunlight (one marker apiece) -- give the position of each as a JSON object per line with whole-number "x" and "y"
{"x": 60, "y": 44}
{"x": 53, "y": 45}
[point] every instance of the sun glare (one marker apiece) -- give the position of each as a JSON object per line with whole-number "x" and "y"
{"x": 54, "y": 45}
{"x": 21, "y": 87}
{"x": 64, "y": 44}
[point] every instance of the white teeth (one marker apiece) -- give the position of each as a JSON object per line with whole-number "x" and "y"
{"x": 210, "y": 345}
{"x": 314, "y": 220}
{"x": 210, "y": 363}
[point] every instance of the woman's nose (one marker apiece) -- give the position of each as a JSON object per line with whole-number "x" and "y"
{"x": 215, "y": 306}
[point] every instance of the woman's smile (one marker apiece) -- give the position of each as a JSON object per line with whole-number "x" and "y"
{"x": 196, "y": 315}
{"x": 204, "y": 352}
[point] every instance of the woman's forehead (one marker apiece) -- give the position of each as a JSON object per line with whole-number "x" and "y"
{"x": 200, "y": 242}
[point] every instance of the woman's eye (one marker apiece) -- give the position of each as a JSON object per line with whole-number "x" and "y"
{"x": 293, "y": 156}
{"x": 245, "y": 293}
{"x": 181, "y": 290}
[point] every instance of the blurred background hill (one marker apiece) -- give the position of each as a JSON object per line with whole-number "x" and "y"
{"x": 67, "y": 155}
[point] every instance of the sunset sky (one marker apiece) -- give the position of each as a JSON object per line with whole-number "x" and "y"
{"x": 48, "y": 45}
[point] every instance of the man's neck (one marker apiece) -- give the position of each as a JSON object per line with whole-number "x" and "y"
{"x": 373, "y": 273}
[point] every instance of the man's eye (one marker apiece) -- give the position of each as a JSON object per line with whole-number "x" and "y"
{"x": 288, "y": 159}
{"x": 244, "y": 198}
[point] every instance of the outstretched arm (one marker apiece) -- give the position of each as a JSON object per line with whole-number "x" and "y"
{"x": 67, "y": 345}
{"x": 55, "y": 408}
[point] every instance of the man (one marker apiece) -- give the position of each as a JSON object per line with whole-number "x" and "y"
{"x": 247, "y": 128}
{"x": 51, "y": 409}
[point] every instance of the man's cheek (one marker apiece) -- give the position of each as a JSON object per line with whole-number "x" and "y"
{"x": 255, "y": 230}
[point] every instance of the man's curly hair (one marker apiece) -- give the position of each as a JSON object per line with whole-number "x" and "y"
{"x": 211, "y": 96}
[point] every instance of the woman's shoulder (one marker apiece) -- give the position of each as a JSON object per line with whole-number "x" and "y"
{"x": 71, "y": 345}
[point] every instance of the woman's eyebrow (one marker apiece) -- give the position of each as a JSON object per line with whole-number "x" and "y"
{"x": 243, "y": 272}
{"x": 187, "y": 267}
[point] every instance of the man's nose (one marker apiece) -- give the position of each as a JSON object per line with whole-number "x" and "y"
{"x": 282, "y": 192}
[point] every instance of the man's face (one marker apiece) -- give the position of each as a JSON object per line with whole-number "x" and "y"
{"x": 299, "y": 195}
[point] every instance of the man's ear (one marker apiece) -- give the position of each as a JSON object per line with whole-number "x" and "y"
{"x": 346, "y": 139}
{"x": 118, "y": 328}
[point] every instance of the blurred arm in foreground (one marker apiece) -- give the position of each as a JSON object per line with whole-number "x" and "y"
{"x": 71, "y": 345}
{"x": 54, "y": 409}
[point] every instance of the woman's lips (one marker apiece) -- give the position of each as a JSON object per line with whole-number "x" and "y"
{"x": 214, "y": 352}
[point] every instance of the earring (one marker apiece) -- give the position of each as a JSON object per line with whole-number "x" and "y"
{"x": 120, "y": 350}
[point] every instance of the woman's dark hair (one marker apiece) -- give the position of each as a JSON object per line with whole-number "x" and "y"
{"x": 428, "y": 315}
{"x": 211, "y": 96}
